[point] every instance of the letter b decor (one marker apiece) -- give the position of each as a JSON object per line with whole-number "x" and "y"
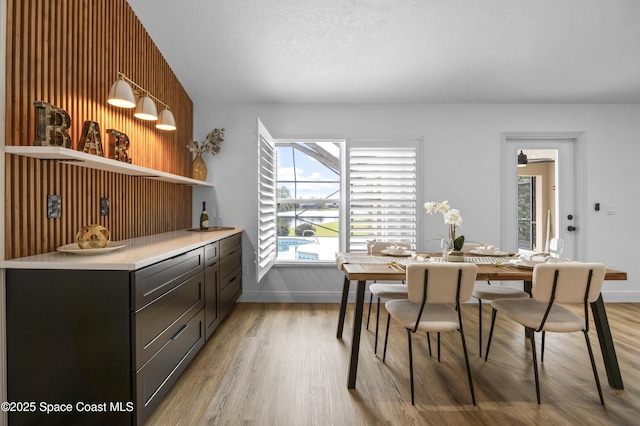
{"x": 52, "y": 124}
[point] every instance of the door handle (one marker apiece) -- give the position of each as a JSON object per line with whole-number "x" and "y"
{"x": 571, "y": 228}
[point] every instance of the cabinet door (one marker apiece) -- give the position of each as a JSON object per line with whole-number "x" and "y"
{"x": 211, "y": 253}
{"x": 68, "y": 340}
{"x": 211, "y": 306}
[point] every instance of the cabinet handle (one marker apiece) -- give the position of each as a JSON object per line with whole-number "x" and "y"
{"x": 179, "y": 332}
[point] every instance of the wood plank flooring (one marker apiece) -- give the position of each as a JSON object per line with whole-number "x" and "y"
{"x": 281, "y": 364}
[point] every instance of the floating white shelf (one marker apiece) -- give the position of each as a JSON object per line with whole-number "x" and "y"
{"x": 82, "y": 159}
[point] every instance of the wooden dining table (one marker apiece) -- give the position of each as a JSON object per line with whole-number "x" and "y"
{"x": 358, "y": 269}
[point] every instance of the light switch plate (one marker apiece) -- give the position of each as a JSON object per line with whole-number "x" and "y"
{"x": 54, "y": 206}
{"x": 105, "y": 204}
{"x": 609, "y": 209}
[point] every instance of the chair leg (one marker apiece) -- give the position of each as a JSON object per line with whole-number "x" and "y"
{"x": 466, "y": 360}
{"x": 480, "y": 327}
{"x": 375, "y": 348}
{"x": 438, "y": 346}
{"x": 542, "y": 348}
{"x": 535, "y": 363}
{"x": 429, "y": 342}
{"x": 593, "y": 366}
{"x": 410, "y": 365}
{"x": 493, "y": 322}
{"x": 386, "y": 337}
{"x": 369, "y": 314}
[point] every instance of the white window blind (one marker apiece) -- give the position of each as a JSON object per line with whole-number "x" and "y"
{"x": 267, "y": 236}
{"x": 382, "y": 194}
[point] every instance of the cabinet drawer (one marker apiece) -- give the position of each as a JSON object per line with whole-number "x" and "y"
{"x": 155, "y": 280}
{"x": 230, "y": 288}
{"x": 229, "y": 263}
{"x": 157, "y": 323}
{"x": 229, "y": 244}
{"x": 211, "y": 253}
{"x": 156, "y": 378}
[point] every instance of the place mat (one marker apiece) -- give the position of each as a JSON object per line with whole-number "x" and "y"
{"x": 342, "y": 258}
{"x": 480, "y": 260}
{"x": 475, "y": 259}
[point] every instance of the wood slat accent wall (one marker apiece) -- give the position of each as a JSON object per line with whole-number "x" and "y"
{"x": 68, "y": 53}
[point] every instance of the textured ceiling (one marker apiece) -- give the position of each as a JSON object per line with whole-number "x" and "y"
{"x": 400, "y": 51}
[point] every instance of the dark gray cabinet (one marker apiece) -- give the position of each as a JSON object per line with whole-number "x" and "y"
{"x": 230, "y": 272}
{"x": 168, "y": 325}
{"x": 211, "y": 288}
{"x": 116, "y": 339}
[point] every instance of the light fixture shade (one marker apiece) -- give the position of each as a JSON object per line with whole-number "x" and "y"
{"x": 121, "y": 95}
{"x": 166, "y": 120}
{"x": 522, "y": 159}
{"x": 146, "y": 109}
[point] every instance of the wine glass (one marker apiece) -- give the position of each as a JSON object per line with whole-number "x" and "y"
{"x": 447, "y": 247}
{"x": 556, "y": 247}
{"x": 371, "y": 241}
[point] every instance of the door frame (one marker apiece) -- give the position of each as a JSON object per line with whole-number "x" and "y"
{"x": 508, "y": 184}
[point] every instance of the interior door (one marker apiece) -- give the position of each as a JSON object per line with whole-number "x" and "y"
{"x": 568, "y": 189}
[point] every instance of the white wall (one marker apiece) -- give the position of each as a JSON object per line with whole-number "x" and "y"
{"x": 461, "y": 164}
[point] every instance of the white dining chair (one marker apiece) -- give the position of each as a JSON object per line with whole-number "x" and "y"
{"x": 555, "y": 284}
{"x": 432, "y": 288}
{"x": 384, "y": 290}
{"x": 489, "y": 292}
{"x": 493, "y": 292}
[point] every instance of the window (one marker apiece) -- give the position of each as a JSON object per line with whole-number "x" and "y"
{"x": 382, "y": 192}
{"x": 527, "y": 213}
{"x": 308, "y": 199}
{"x": 318, "y": 197}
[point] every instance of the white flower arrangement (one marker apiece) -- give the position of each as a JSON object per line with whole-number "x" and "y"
{"x": 211, "y": 144}
{"x": 451, "y": 217}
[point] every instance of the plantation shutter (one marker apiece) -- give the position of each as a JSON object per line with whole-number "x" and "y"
{"x": 382, "y": 192}
{"x": 267, "y": 238}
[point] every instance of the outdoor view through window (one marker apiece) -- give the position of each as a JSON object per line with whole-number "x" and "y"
{"x": 308, "y": 196}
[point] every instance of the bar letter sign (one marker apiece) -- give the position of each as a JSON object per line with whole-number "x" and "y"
{"x": 52, "y": 124}
{"x": 90, "y": 141}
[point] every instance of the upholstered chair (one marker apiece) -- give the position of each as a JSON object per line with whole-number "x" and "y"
{"x": 384, "y": 290}
{"x": 555, "y": 284}
{"x": 435, "y": 290}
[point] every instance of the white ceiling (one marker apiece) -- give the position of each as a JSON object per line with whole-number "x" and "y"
{"x": 400, "y": 51}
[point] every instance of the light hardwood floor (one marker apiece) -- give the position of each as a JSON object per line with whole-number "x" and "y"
{"x": 281, "y": 364}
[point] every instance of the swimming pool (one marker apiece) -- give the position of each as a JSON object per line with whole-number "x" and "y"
{"x": 288, "y": 249}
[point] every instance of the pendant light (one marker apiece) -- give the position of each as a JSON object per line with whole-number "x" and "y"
{"x": 166, "y": 120}
{"x": 522, "y": 159}
{"x": 146, "y": 109}
{"x": 121, "y": 94}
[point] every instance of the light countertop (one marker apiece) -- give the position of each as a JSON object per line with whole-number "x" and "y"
{"x": 137, "y": 253}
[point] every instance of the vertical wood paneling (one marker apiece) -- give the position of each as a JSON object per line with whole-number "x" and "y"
{"x": 68, "y": 53}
